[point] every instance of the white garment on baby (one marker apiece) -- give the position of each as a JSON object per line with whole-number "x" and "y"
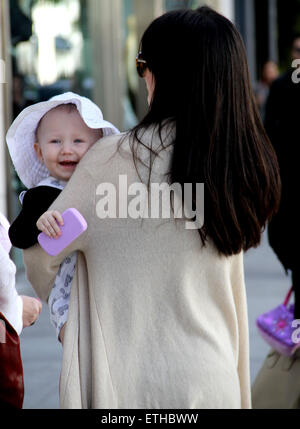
{"x": 60, "y": 294}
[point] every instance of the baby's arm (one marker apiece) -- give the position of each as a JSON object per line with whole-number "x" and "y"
{"x": 23, "y": 232}
{"x": 60, "y": 294}
{"x": 49, "y": 223}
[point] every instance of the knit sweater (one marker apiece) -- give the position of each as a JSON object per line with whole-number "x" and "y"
{"x": 156, "y": 320}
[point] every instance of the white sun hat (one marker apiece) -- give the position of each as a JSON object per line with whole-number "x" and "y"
{"x": 20, "y": 137}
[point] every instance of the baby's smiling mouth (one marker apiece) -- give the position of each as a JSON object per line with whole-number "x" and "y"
{"x": 68, "y": 163}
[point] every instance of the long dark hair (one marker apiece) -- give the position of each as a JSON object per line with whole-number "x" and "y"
{"x": 202, "y": 83}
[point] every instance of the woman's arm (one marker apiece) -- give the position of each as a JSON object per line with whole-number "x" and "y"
{"x": 11, "y": 304}
{"x": 240, "y": 299}
{"x": 20, "y": 311}
{"x": 41, "y": 268}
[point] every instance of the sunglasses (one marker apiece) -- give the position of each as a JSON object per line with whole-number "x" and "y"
{"x": 141, "y": 65}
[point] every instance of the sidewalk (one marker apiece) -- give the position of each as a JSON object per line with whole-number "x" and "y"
{"x": 41, "y": 356}
{"x": 266, "y": 285}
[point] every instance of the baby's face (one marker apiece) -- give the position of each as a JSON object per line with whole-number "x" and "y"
{"x": 63, "y": 139}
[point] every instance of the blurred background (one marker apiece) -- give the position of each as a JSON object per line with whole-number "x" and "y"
{"x": 89, "y": 46}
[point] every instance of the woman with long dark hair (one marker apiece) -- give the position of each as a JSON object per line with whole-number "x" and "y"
{"x": 158, "y": 314}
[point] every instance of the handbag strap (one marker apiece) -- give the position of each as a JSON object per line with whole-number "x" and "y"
{"x": 288, "y": 296}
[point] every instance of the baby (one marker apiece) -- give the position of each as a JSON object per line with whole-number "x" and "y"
{"x": 46, "y": 142}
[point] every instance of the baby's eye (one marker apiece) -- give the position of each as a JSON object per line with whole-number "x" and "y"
{"x": 54, "y": 141}
{"x": 78, "y": 141}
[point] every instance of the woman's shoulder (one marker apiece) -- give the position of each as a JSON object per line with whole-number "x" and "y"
{"x": 107, "y": 156}
{"x": 151, "y": 137}
{"x": 103, "y": 148}
{"x": 125, "y": 152}
{"x": 108, "y": 142}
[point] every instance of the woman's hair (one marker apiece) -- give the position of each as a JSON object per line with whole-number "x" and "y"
{"x": 202, "y": 84}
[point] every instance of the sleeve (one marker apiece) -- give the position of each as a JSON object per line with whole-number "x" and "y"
{"x": 11, "y": 304}
{"x": 41, "y": 268}
{"x": 240, "y": 299}
{"x": 23, "y": 231}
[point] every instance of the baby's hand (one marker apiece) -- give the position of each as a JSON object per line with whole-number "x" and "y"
{"x": 48, "y": 223}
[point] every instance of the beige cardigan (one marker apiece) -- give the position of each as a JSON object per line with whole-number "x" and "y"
{"x": 155, "y": 319}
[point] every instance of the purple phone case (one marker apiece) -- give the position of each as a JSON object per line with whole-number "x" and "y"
{"x": 74, "y": 225}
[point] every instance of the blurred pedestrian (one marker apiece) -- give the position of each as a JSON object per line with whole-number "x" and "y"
{"x": 18, "y": 92}
{"x": 282, "y": 125}
{"x": 158, "y": 313}
{"x": 21, "y": 311}
{"x": 16, "y": 312}
{"x": 277, "y": 384}
{"x": 269, "y": 73}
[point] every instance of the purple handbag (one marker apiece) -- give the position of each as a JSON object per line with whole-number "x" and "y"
{"x": 276, "y": 328}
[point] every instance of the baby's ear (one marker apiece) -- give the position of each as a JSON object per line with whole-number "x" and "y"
{"x": 38, "y": 151}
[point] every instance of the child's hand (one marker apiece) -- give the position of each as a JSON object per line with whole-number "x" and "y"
{"x": 31, "y": 310}
{"x": 62, "y": 334}
{"x": 48, "y": 223}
